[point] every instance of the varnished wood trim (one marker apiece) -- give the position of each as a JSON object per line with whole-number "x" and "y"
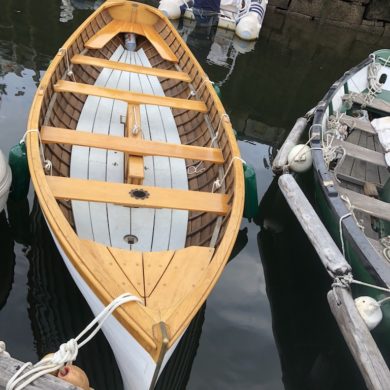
{"x": 130, "y": 97}
{"x": 121, "y": 194}
{"x": 133, "y": 146}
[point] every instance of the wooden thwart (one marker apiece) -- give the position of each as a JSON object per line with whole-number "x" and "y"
{"x": 375, "y": 104}
{"x": 115, "y": 27}
{"x": 367, "y": 204}
{"x": 362, "y": 153}
{"x": 155, "y": 197}
{"x": 102, "y": 63}
{"x": 129, "y": 97}
{"x": 136, "y": 147}
{"x": 357, "y": 124}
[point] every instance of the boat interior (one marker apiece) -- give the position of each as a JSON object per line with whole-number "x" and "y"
{"x": 142, "y": 117}
{"x": 356, "y": 154}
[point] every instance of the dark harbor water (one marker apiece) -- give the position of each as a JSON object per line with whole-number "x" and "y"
{"x": 267, "y": 324}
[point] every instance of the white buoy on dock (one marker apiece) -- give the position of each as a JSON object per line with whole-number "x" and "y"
{"x": 5, "y": 181}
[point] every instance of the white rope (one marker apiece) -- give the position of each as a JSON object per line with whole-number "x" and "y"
{"x": 218, "y": 182}
{"x": 192, "y": 169}
{"x": 385, "y": 241}
{"x": 196, "y": 91}
{"x": 136, "y": 127}
{"x": 3, "y": 351}
{"x": 69, "y": 71}
{"x": 47, "y": 164}
{"x": 341, "y": 231}
{"x": 67, "y": 352}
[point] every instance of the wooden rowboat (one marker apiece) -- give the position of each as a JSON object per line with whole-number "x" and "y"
{"x": 352, "y": 175}
{"x": 145, "y": 194}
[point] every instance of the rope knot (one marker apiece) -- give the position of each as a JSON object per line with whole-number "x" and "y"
{"x": 67, "y": 353}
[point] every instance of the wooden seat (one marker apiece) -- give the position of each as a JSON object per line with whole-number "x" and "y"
{"x": 358, "y": 124}
{"x": 367, "y": 204}
{"x": 102, "y": 63}
{"x": 137, "y": 196}
{"x": 361, "y": 153}
{"x": 134, "y": 168}
{"x": 135, "y": 147}
{"x": 376, "y": 104}
{"x": 129, "y": 97}
{"x": 115, "y": 27}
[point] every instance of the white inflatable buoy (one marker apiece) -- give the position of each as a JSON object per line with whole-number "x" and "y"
{"x": 300, "y": 159}
{"x": 248, "y": 28}
{"x": 5, "y": 181}
{"x": 370, "y": 310}
{"x": 171, "y": 8}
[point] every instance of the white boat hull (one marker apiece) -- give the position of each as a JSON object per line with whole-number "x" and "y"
{"x": 5, "y": 181}
{"x": 135, "y": 364}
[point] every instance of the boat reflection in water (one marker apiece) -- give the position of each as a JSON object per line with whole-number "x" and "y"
{"x": 312, "y": 351}
{"x": 219, "y": 48}
{"x": 7, "y": 259}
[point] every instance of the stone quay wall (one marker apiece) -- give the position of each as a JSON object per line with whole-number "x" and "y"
{"x": 370, "y": 15}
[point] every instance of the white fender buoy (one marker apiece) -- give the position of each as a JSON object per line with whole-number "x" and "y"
{"x": 74, "y": 375}
{"x": 171, "y": 8}
{"x": 248, "y": 27}
{"x": 370, "y": 310}
{"x": 300, "y": 159}
{"x": 5, "y": 181}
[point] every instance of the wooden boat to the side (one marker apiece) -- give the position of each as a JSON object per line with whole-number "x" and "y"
{"x": 352, "y": 176}
{"x": 140, "y": 179}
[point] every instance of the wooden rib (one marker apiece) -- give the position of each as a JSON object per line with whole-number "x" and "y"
{"x": 358, "y": 124}
{"x": 361, "y": 153}
{"x": 367, "y": 204}
{"x": 137, "y": 147}
{"x": 115, "y": 27}
{"x": 118, "y": 193}
{"x": 129, "y": 97}
{"x": 102, "y": 63}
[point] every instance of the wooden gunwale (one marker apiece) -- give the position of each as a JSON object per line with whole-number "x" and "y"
{"x": 139, "y": 321}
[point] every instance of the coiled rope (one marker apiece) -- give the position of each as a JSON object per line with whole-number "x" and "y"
{"x": 68, "y": 351}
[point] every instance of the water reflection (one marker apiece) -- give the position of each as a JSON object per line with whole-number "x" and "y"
{"x": 7, "y": 263}
{"x": 264, "y": 89}
{"x": 312, "y": 352}
{"x": 58, "y": 311}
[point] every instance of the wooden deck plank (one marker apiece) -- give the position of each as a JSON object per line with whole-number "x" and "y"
{"x": 118, "y": 217}
{"x": 79, "y": 156}
{"x": 361, "y": 153}
{"x": 162, "y": 167}
{"x": 179, "y": 218}
{"x": 130, "y": 97}
{"x": 116, "y": 193}
{"x": 137, "y": 147}
{"x": 370, "y": 205}
{"x": 181, "y": 277}
{"x": 115, "y": 27}
{"x": 102, "y": 63}
{"x": 142, "y": 219}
